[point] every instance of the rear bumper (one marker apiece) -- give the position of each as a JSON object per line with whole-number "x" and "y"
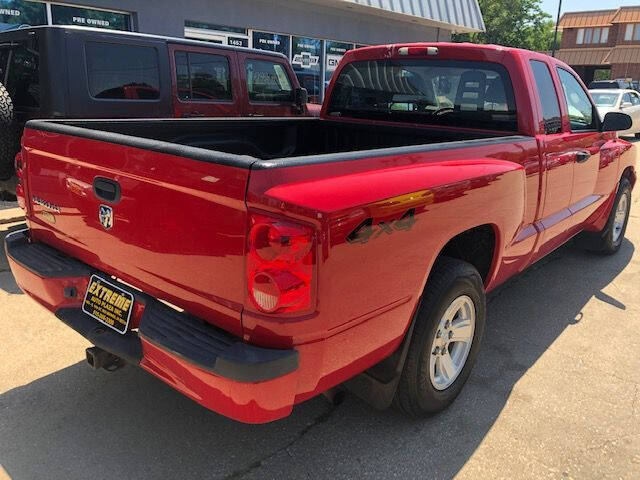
{"x": 219, "y": 371}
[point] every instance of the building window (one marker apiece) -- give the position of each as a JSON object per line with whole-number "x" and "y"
{"x": 588, "y": 35}
{"x": 592, "y": 35}
{"x": 307, "y": 59}
{"x": 632, "y": 32}
{"x": 221, "y": 34}
{"x": 122, "y": 72}
{"x": 273, "y": 42}
{"x": 202, "y": 76}
{"x": 23, "y": 13}
{"x": 19, "y": 13}
{"x": 87, "y": 17}
{"x": 628, "y": 33}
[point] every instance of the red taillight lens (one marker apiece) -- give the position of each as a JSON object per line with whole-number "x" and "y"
{"x": 280, "y": 265}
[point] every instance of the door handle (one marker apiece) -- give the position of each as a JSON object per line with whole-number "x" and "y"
{"x": 582, "y": 157}
{"x": 106, "y": 189}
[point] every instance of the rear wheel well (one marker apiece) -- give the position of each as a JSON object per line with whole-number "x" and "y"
{"x": 475, "y": 246}
{"x": 630, "y": 173}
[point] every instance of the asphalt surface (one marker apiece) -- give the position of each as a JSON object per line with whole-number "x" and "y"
{"x": 555, "y": 394}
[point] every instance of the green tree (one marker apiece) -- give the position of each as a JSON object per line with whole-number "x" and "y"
{"x": 513, "y": 23}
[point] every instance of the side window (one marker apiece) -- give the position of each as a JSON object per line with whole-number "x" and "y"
{"x": 578, "y": 104}
{"x": 202, "y": 76}
{"x": 23, "y": 78}
{"x": 122, "y": 72}
{"x": 635, "y": 100}
{"x": 626, "y": 98}
{"x": 548, "y": 97}
{"x": 268, "y": 82}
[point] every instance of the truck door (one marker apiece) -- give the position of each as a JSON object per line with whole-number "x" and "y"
{"x": 205, "y": 82}
{"x": 269, "y": 86}
{"x": 557, "y": 158}
{"x": 586, "y": 143}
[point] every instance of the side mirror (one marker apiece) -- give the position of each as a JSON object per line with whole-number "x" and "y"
{"x": 301, "y": 99}
{"x": 626, "y": 104}
{"x": 615, "y": 122}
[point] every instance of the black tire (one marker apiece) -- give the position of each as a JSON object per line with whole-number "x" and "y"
{"x": 450, "y": 279}
{"x": 608, "y": 241}
{"x": 9, "y": 136}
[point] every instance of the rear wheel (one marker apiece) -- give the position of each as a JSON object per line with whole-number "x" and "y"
{"x": 609, "y": 240}
{"x": 9, "y": 135}
{"x": 446, "y": 340}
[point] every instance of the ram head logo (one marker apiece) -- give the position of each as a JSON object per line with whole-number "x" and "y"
{"x": 105, "y": 215}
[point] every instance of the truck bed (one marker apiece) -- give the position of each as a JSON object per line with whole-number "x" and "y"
{"x": 261, "y": 138}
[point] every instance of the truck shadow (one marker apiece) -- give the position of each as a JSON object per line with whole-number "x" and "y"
{"x": 77, "y": 423}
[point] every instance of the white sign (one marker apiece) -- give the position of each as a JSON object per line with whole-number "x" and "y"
{"x": 91, "y": 21}
{"x": 332, "y": 62}
{"x": 11, "y": 13}
{"x": 305, "y": 60}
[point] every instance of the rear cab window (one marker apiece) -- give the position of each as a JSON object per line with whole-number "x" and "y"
{"x": 122, "y": 72}
{"x": 548, "y": 97}
{"x": 203, "y": 77}
{"x": 434, "y": 92}
{"x": 268, "y": 82}
{"x": 582, "y": 113}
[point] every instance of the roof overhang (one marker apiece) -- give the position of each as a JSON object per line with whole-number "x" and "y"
{"x": 591, "y": 18}
{"x": 584, "y": 56}
{"x": 459, "y": 16}
{"x": 625, "y": 54}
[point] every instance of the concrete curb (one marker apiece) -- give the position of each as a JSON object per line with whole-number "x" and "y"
{"x": 11, "y": 215}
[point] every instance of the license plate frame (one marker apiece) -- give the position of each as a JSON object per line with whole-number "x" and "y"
{"x": 102, "y": 304}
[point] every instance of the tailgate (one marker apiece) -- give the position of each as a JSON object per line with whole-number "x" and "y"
{"x": 165, "y": 218}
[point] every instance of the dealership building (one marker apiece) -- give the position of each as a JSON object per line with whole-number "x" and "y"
{"x": 314, "y": 34}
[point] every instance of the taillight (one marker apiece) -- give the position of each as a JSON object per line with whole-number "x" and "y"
{"x": 280, "y": 265}
{"x": 20, "y": 193}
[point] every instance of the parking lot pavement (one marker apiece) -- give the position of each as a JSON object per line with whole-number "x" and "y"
{"x": 555, "y": 394}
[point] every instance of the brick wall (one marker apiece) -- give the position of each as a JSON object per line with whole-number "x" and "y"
{"x": 622, "y": 70}
{"x": 569, "y": 38}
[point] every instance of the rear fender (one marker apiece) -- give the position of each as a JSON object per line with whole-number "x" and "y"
{"x": 382, "y": 229}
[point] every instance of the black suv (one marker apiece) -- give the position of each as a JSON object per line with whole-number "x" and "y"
{"x": 79, "y": 72}
{"x": 611, "y": 84}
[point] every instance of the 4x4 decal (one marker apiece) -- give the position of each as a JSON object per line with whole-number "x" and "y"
{"x": 368, "y": 231}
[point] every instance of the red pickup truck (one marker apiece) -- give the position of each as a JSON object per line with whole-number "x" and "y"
{"x": 254, "y": 263}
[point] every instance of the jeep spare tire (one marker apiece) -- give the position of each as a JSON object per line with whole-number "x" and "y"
{"x": 9, "y": 135}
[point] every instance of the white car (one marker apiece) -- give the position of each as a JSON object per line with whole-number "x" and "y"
{"x": 619, "y": 100}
